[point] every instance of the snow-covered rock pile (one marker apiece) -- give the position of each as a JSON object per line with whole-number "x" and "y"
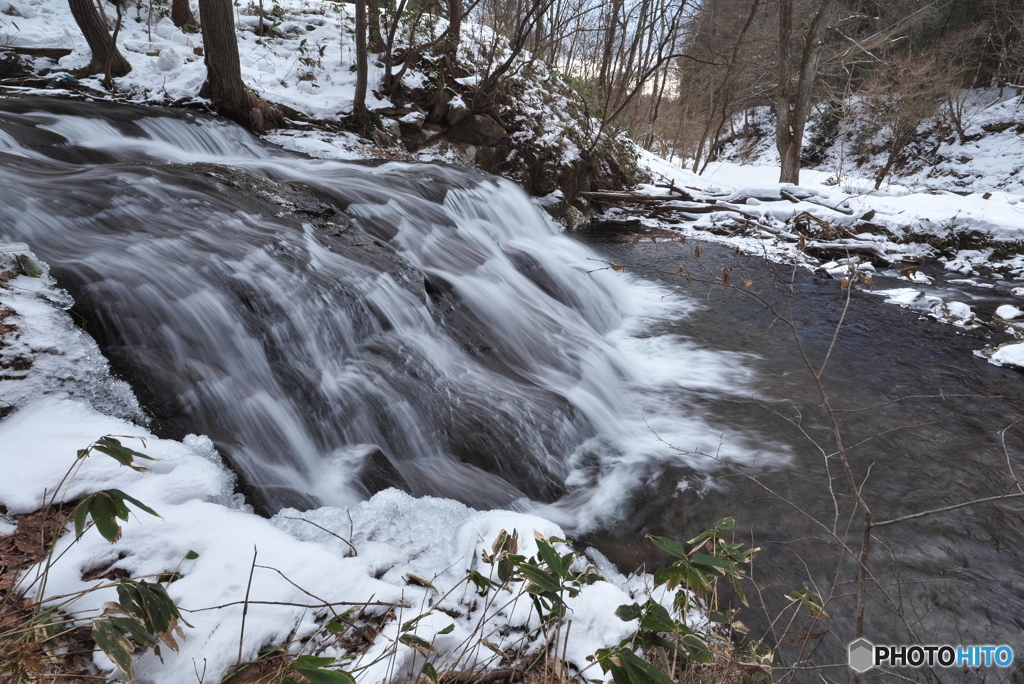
{"x": 302, "y": 55}
{"x": 846, "y": 229}
{"x": 392, "y": 558}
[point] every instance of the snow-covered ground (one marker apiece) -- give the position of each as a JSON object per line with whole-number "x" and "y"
{"x": 895, "y": 226}
{"x": 305, "y": 66}
{"x": 307, "y": 63}
{"x": 305, "y": 567}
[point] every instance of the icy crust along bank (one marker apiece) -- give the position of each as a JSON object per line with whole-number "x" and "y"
{"x": 42, "y": 353}
{"x": 393, "y": 533}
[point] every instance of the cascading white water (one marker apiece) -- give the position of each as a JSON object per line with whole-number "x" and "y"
{"x": 417, "y": 325}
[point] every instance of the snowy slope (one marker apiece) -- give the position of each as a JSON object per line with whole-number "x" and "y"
{"x": 302, "y": 563}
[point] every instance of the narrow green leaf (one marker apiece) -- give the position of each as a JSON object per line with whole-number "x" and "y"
{"x": 669, "y": 546}
{"x": 550, "y": 557}
{"x": 418, "y": 643}
{"x": 448, "y": 630}
{"x": 656, "y": 618}
{"x": 337, "y": 625}
{"x": 706, "y": 561}
{"x": 540, "y": 578}
{"x": 429, "y": 672}
{"x": 410, "y": 624}
{"x": 135, "y": 502}
{"x": 312, "y": 668}
{"x": 81, "y": 513}
{"x": 481, "y": 582}
{"x": 115, "y": 644}
{"x": 104, "y": 514}
{"x": 641, "y": 671}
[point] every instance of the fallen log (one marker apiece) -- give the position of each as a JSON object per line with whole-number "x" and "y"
{"x": 52, "y": 53}
{"x": 621, "y": 197}
{"x": 793, "y": 198}
{"x": 671, "y": 187}
{"x": 846, "y": 248}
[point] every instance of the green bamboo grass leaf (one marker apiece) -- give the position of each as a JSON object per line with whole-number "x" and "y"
{"x": 629, "y": 612}
{"x": 112, "y": 447}
{"x": 418, "y": 643}
{"x": 411, "y": 624}
{"x": 656, "y": 618}
{"x": 669, "y": 546}
{"x": 105, "y": 507}
{"x": 540, "y": 579}
{"x": 115, "y": 644}
{"x": 314, "y": 670}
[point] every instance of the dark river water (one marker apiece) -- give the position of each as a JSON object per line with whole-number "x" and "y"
{"x": 926, "y": 425}
{"x": 337, "y": 328}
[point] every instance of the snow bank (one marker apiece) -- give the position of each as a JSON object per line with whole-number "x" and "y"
{"x": 306, "y": 567}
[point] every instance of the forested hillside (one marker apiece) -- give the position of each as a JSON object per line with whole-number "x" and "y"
{"x": 541, "y": 88}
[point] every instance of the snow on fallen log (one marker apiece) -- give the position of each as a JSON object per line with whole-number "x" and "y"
{"x": 847, "y": 247}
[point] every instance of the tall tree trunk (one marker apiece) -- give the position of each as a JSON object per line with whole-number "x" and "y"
{"x": 605, "y": 74}
{"x": 793, "y": 95}
{"x": 106, "y": 58}
{"x": 224, "y": 86}
{"x": 181, "y": 14}
{"x": 375, "y": 39}
{"x": 454, "y": 26}
{"x": 359, "y": 112}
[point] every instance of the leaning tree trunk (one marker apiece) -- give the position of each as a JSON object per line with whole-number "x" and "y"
{"x": 224, "y": 86}
{"x": 106, "y": 58}
{"x": 181, "y": 14}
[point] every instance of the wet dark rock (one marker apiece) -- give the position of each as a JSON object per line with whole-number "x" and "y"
{"x": 478, "y": 129}
{"x": 378, "y": 473}
{"x": 457, "y": 111}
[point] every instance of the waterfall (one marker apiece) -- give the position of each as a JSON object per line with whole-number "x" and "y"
{"x": 339, "y": 327}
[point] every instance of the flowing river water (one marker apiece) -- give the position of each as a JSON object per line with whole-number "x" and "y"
{"x": 337, "y": 328}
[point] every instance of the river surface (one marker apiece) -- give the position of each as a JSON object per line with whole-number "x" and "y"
{"x": 939, "y": 427}
{"x": 337, "y": 328}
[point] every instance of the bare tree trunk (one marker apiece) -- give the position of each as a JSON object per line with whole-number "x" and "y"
{"x": 360, "y": 113}
{"x": 454, "y": 25}
{"x": 181, "y": 14}
{"x": 793, "y": 95}
{"x": 609, "y": 44}
{"x": 224, "y": 87}
{"x": 375, "y": 40}
{"x": 106, "y": 58}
